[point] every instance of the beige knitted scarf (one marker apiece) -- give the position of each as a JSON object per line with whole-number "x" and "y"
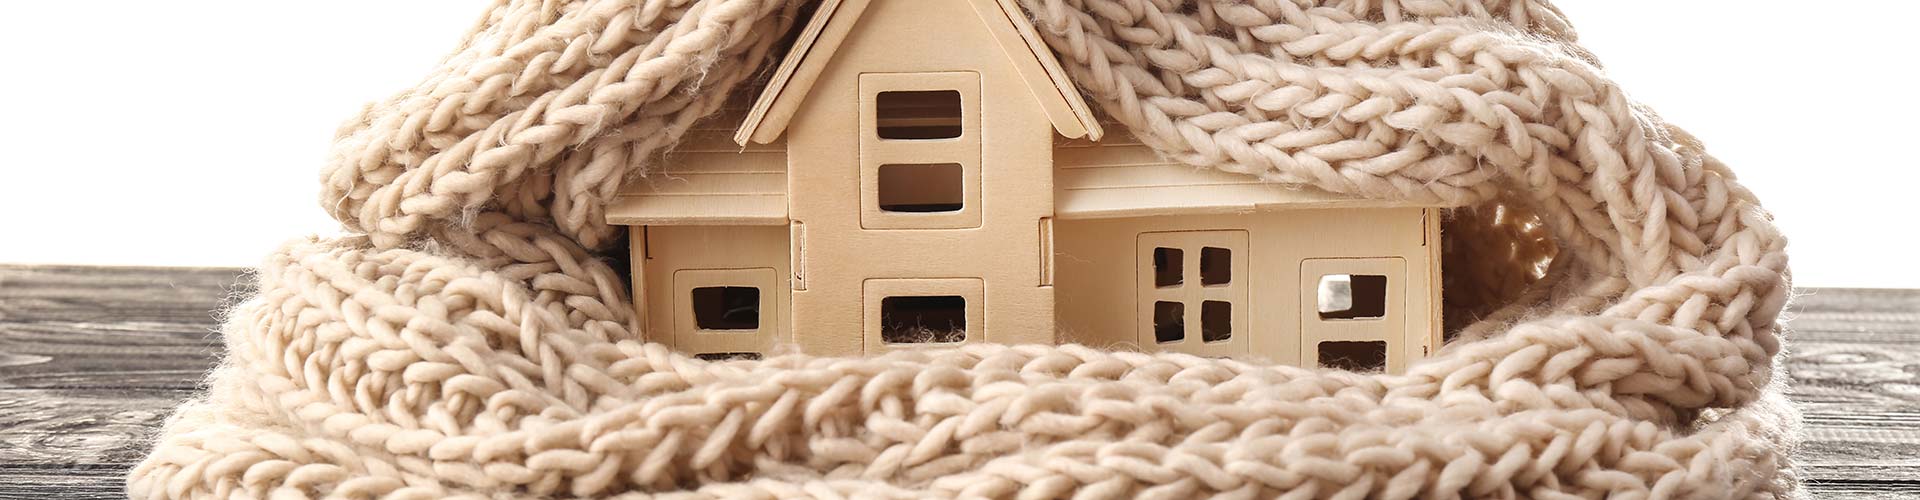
{"x": 473, "y": 342}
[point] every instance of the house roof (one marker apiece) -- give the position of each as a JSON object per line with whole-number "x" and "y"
{"x": 708, "y": 180}
{"x": 1121, "y": 177}
{"x": 834, "y": 19}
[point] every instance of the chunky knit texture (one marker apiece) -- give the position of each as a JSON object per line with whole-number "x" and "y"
{"x": 473, "y": 342}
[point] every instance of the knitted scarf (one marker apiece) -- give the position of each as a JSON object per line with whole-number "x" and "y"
{"x": 1619, "y": 290}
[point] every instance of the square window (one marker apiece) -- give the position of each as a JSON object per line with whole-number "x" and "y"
{"x": 726, "y": 308}
{"x": 1216, "y": 266}
{"x": 918, "y": 114}
{"x": 1167, "y": 267}
{"x": 922, "y": 188}
{"x": 1216, "y": 321}
{"x": 923, "y": 320}
{"x": 1353, "y": 296}
{"x": 1169, "y": 322}
{"x": 1368, "y": 356}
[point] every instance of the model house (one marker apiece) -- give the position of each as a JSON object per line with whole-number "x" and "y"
{"x": 923, "y": 173}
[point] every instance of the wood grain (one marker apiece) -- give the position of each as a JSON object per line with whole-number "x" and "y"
{"x": 92, "y": 360}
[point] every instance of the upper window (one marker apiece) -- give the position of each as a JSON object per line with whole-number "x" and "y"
{"x": 920, "y": 138}
{"x": 918, "y": 114}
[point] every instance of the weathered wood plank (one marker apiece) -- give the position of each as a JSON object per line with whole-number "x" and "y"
{"x": 48, "y": 483}
{"x": 87, "y": 427}
{"x": 74, "y": 327}
{"x": 93, "y": 359}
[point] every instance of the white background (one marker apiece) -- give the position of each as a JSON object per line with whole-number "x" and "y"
{"x": 191, "y": 133}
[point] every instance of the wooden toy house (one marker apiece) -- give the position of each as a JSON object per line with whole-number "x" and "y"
{"x": 923, "y": 173}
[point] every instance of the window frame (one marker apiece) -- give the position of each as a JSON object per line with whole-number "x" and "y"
{"x": 1390, "y": 327}
{"x": 693, "y": 340}
{"x": 875, "y": 291}
{"x": 1193, "y": 293}
{"x": 963, "y": 150}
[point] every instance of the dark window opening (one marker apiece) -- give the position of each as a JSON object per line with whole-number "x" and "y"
{"x": 1169, "y": 322}
{"x": 1167, "y": 264}
{"x": 726, "y": 308}
{"x": 728, "y": 356}
{"x": 1216, "y": 321}
{"x": 921, "y": 188}
{"x": 1369, "y": 356}
{"x": 1216, "y": 266}
{"x": 920, "y": 114}
{"x": 1353, "y": 296}
{"x": 923, "y": 320}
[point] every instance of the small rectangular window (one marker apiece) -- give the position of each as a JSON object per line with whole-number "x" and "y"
{"x": 1368, "y": 356}
{"x": 726, "y": 308}
{"x": 923, "y": 320}
{"x": 1216, "y": 321}
{"x": 922, "y": 188}
{"x": 1167, "y": 267}
{"x": 1169, "y": 322}
{"x": 728, "y": 356}
{"x": 1216, "y": 266}
{"x": 917, "y": 115}
{"x": 1353, "y": 296}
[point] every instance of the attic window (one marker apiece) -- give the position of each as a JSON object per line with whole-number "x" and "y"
{"x": 1352, "y": 296}
{"x": 923, "y": 320}
{"x": 922, "y": 188}
{"x": 726, "y": 308}
{"x": 917, "y": 114}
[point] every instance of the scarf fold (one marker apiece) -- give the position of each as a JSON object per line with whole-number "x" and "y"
{"x": 1620, "y": 290}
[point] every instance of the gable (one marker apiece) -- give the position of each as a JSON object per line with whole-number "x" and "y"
{"x": 823, "y": 35}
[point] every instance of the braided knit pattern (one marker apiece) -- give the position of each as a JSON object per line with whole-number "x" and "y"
{"x": 472, "y": 342}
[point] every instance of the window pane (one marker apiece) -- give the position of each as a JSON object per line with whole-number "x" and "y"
{"x": 1216, "y": 321}
{"x": 927, "y": 114}
{"x": 1167, "y": 267}
{"x": 923, "y": 320}
{"x": 1353, "y": 296}
{"x": 932, "y": 187}
{"x": 1169, "y": 322}
{"x": 1370, "y": 356}
{"x": 726, "y": 308}
{"x": 1216, "y": 266}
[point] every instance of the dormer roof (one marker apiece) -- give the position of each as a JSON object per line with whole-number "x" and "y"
{"x": 834, "y": 19}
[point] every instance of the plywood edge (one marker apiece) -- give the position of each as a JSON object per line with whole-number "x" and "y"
{"x": 791, "y": 82}
{"x": 1214, "y": 199}
{"x": 1436, "y": 305}
{"x": 699, "y": 210}
{"x": 1077, "y": 112}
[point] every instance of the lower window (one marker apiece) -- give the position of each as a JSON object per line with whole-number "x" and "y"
{"x": 908, "y": 313}
{"x": 939, "y": 319}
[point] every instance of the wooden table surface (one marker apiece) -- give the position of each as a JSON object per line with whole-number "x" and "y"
{"x": 92, "y": 359}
